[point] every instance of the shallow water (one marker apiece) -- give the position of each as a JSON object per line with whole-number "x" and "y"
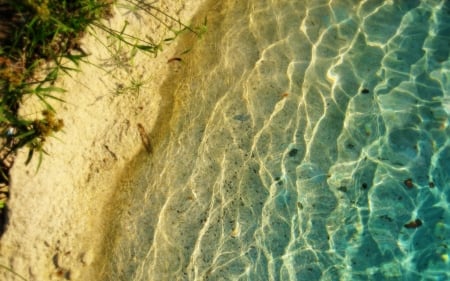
{"x": 286, "y": 144}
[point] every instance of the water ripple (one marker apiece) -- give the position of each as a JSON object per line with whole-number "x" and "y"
{"x": 309, "y": 140}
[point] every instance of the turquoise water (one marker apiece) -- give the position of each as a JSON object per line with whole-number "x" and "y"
{"x": 297, "y": 140}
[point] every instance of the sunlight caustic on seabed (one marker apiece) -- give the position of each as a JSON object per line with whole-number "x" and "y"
{"x": 308, "y": 140}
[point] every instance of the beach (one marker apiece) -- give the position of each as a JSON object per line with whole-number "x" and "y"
{"x": 294, "y": 140}
{"x": 56, "y": 213}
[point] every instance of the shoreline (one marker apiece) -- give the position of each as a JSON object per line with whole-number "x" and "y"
{"x": 55, "y": 215}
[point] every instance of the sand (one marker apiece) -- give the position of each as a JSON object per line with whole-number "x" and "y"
{"x": 57, "y": 215}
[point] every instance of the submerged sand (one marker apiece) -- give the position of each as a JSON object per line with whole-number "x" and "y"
{"x": 57, "y": 215}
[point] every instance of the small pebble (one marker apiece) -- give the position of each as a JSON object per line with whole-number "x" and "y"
{"x": 293, "y": 152}
{"x": 409, "y": 183}
{"x": 413, "y": 224}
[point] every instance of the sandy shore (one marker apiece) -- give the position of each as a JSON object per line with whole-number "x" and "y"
{"x": 55, "y": 215}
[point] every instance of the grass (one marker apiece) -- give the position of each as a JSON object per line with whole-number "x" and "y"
{"x": 13, "y": 272}
{"x": 37, "y": 39}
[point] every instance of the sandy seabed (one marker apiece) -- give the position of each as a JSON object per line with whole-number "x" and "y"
{"x": 57, "y": 215}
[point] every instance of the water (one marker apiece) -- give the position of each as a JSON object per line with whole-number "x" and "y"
{"x": 286, "y": 146}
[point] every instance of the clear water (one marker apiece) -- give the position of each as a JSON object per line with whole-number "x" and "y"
{"x": 284, "y": 146}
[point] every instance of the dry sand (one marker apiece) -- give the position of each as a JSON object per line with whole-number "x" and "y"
{"x": 57, "y": 214}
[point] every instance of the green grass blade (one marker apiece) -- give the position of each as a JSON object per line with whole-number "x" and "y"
{"x": 13, "y": 272}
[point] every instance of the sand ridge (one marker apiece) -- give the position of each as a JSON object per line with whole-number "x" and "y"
{"x": 55, "y": 215}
